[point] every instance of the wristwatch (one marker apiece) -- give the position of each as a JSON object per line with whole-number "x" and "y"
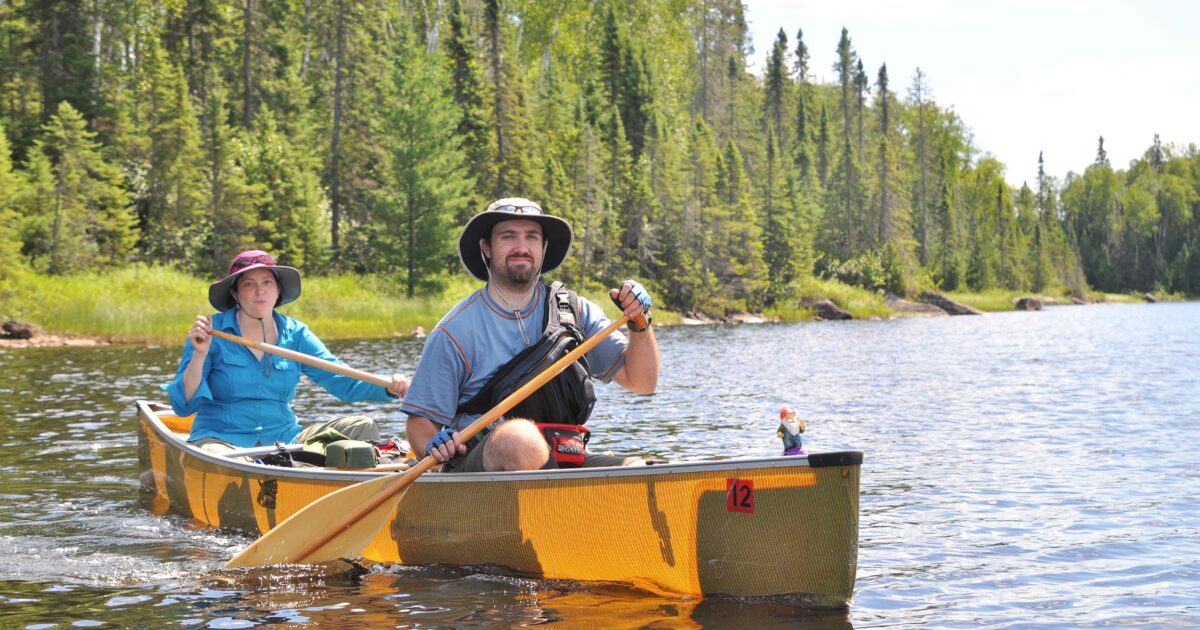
{"x": 633, "y": 327}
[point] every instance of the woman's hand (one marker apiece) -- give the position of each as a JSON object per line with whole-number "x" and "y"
{"x": 399, "y": 386}
{"x": 199, "y": 335}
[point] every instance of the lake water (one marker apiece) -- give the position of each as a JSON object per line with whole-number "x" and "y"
{"x": 1021, "y": 470}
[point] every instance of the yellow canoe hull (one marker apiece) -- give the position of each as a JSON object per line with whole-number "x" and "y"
{"x": 781, "y": 527}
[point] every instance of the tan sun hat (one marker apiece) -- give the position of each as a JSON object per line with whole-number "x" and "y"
{"x": 556, "y": 232}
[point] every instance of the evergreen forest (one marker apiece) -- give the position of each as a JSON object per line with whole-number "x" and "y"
{"x": 358, "y": 136}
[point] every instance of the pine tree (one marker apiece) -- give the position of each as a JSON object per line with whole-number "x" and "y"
{"x": 737, "y": 257}
{"x": 778, "y": 251}
{"x": 20, "y": 89}
{"x": 589, "y": 189}
{"x": 429, "y": 179}
{"x": 693, "y": 283}
{"x": 948, "y": 255}
{"x": 801, "y": 66}
{"x": 861, "y": 83}
{"x": 64, "y": 55}
{"x": 12, "y": 268}
{"x": 886, "y": 227}
{"x": 230, "y": 199}
{"x": 35, "y": 222}
{"x": 841, "y": 238}
{"x": 473, "y": 127}
{"x": 775, "y": 81}
{"x": 290, "y": 211}
{"x": 92, "y": 223}
{"x": 823, "y": 148}
{"x": 515, "y": 175}
{"x": 170, "y": 205}
{"x": 637, "y": 99}
{"x": 919, "y": 95}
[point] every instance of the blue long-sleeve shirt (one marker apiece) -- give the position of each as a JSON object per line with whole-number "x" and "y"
{"x": 246, "y": 401}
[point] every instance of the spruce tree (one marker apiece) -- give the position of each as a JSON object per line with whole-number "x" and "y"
{"x": 290, "y": 209}
{"x": 472, "y": 127}
{"x": 63, "y": 48}
{"x": 429, "y": 182}
{"x": 92, "y": 222}
{"x": 12, "y": 267}
{"x": 231, "y": 201}
{"x": 919, "y": 96}
{"x": 948, "y": 255}
{"x": 779, "y": 228}
{"x": 775, "y": 82}
{"x": 801, "y": 66}
{"x": 171, "y": 204}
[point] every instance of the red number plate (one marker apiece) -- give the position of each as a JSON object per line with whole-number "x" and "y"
{"x": 739, "y": 495}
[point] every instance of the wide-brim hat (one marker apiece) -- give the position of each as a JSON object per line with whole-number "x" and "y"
{"x": 220, "y": 293}
{"x": 555, "y": 231}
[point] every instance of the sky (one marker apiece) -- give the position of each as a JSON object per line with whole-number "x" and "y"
{"x": 1023, "y": 75}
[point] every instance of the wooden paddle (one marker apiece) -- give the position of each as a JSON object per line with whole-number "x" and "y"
{"x": 300, "y": 357}
{"x": 307, "y": 537}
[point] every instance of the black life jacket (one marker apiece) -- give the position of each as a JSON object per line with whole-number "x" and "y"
{"x": 569, "y": 397}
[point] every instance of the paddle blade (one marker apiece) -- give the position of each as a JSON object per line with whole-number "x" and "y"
{"x": 282, "y": 544}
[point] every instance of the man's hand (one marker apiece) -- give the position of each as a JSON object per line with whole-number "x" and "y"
{"x": 634, "y": 301}
{"x": 445, "y": 445}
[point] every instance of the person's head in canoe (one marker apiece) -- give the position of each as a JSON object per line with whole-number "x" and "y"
{"x": 513, "y": 241}
{"x": 255, "y": 282}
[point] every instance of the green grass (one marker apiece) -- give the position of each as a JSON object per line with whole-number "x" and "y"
{"x": 859, "y": 302}
{"x": 994, "y": 300}
{"x": 157, "y": 304}
{"x": 143, "y": 304}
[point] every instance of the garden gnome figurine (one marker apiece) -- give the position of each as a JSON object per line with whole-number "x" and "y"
{"x": 790, "y": 428}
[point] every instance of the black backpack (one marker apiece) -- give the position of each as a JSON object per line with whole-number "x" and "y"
{"x": 569, "y": 397}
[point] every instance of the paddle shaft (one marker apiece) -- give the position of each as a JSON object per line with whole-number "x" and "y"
{"x": 300, "y": 357}
{"x": 406, "y": 479}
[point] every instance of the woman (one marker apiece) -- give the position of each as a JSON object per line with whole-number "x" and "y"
{"x": 241, "y": 396}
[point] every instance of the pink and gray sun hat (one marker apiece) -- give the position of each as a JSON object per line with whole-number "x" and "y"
{"x": 556, "y": 232}
{"x": 220, "y": 293}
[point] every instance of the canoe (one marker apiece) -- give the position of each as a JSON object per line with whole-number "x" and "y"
{"x": 777, "y": 527}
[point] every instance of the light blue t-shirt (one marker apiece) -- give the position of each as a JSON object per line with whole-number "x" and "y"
{"x": 477, "y": 337}
{"x": 247, "y": 401}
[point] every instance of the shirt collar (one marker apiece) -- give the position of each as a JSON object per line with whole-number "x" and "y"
{"x": 538, "y": 298}
{"x": 228, "y": 322}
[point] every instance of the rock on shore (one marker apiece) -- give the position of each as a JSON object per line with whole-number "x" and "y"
{"x": 948, "y": 305}
{"x": 905, "y": 308}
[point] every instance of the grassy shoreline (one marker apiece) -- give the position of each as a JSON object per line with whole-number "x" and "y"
{"x": 141, "y": 304}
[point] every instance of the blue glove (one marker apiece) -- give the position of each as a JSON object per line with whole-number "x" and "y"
{"x": 638, "y": 292}
{"x": 445, "y": 436}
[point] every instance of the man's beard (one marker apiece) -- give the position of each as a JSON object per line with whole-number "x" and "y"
{"x": 516, "y": 277}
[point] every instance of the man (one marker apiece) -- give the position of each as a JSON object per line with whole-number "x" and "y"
{"x": 480, "y": 342}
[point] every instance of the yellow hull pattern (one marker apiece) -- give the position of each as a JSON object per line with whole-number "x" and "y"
{"x": 784, "y": 527}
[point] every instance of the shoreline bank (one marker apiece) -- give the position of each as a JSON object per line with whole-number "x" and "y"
{"x": 895, "y": 309}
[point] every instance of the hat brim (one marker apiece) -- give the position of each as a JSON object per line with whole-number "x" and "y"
{"x": 556, "y": 232}
{"x": 220, "y": 293}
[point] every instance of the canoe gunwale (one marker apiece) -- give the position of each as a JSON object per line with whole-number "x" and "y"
{"x": 149, "y": 411}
